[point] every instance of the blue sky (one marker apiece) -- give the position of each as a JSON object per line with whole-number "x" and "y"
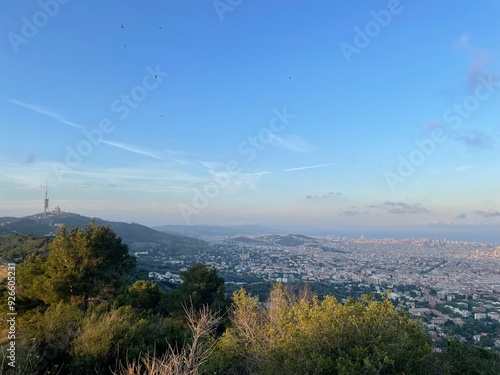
{"x": 327, "y": 115}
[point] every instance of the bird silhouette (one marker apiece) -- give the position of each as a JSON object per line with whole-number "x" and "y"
{"x": 122, "y": 26}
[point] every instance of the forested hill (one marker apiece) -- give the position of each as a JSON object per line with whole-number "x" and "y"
{"x": 132, "y": 234}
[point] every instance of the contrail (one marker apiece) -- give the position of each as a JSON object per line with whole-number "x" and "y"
{"x": 46, "y": 112}
{"x": 310, "y": 167}
{"x": 132, "y": 148}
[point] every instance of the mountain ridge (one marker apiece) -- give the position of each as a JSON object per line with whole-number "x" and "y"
{"x": 131, "y": 233}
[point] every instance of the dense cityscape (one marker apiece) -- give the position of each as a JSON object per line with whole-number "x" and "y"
{"x": 454, "y": 287}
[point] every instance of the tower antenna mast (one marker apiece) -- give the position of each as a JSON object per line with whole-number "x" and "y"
{"x": 46, "y": 201}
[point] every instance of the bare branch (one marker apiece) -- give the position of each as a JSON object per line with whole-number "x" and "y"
{"x": 188, "y": 360}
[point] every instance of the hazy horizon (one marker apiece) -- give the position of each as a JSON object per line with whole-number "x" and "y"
{"x": 380, "y": 117}
{"x": 464, "y": 233}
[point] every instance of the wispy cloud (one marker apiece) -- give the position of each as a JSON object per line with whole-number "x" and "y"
{"x": 433, "y": 125}
{"x": 324, "y": 196}
{"x": 133, "y": 148}
{"x": 46, "y": 111}
{"x": 30, "y": 159}
{"x": 259, "y": 173}
{"x": 353, "y": 213}
{"x": 476, "y": 138}
{"x": 292, "y": 143}
{"x": 174, "y": 152}
{"x": 213, "y": 165}
{"x": 214, "y": 172}
{"x": 480, "y": 58}
{"x": 247, "y": 179}
{"x": 402, "y": 207}
{"x": 487, "y": 214}
{"x": 476, "y": 72}
{"x": 144, "y": 177}
{"x": 462, "y": 42}
{"x": 235, "y": 180}
{"x": 463, "y": 167}
{"x": 310, "y": 167}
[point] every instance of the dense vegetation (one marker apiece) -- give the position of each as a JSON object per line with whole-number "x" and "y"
{"x": 81, "y": 312}
{"x": 16, "y": 247}
{"x": 136, "y": 235}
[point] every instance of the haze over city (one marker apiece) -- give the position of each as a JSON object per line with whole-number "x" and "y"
{"x": 356, "y": 118}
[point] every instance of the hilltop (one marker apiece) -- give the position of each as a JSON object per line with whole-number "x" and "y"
{"x": 135, "y": 235}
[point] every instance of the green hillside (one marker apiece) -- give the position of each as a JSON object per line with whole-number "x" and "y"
{"x": 135, "y": 235}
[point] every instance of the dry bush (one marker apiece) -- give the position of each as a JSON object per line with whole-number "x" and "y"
{"x": 189, "y": 358}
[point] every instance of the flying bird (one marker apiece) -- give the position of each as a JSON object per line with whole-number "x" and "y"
{"x": 122, "y": 26}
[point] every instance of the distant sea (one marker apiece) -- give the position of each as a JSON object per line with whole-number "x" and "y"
{"x": 469, "y": 233}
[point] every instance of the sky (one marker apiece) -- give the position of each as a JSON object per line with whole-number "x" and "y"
{"x": 331, "y": 116}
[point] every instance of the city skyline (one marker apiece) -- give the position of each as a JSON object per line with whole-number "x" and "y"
{"x": 360, "y": 117}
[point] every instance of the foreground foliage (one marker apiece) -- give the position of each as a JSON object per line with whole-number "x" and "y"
{"x": 303, "y": 335}
{"x": 15, "y": 246}
{"x": 190, "y": 357}
{"x": 79, "y": 313}
{"x": 81, "y": 265}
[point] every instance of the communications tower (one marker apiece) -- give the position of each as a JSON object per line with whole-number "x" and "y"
{"x": 45, "y": 202}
